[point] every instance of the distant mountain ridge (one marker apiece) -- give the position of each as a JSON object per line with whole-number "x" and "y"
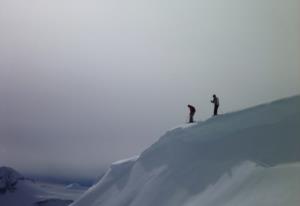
{"x": 9, "y": 179}
{"x": 17, "y": 190}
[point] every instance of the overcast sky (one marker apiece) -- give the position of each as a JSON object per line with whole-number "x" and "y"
{"x": 87, "y": 82}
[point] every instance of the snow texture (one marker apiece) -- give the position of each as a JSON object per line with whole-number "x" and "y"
{"x": 250, "y": 157}
{"x": 250, "y": 185}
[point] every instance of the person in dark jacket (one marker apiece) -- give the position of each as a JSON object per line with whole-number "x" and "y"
{"x": 215, "y": 101}
{"x": 192, "y": 112}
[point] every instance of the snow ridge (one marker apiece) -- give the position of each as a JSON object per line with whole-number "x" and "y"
{"x": 224, "y": 153}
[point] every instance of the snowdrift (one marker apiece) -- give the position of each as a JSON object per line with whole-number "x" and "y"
{"x": 250, "y": 157}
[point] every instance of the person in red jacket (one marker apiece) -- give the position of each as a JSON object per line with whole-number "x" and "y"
{"x": 192, "y": 112}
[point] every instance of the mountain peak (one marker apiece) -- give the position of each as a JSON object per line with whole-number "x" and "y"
{"x": 9, "y": 179}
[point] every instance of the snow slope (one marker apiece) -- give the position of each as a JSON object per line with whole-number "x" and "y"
{"x": 250, "y": 157}
{"x": 250, "y": 185}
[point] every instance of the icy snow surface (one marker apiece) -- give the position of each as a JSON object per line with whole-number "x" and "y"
{"x": 250, "y": 157}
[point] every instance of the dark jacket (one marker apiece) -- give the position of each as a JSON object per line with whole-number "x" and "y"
{"x": 192, "y": 109}
{"x": 215, "y": 101}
